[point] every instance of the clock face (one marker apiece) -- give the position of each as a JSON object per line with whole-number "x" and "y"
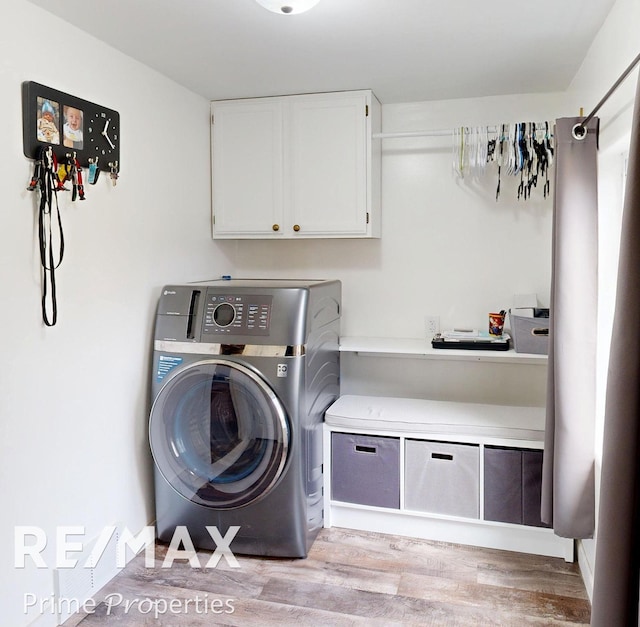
{"x": 103, "y": 132}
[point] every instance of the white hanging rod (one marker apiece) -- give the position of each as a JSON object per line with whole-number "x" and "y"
{"x": 439, "y": 133}
{"x": 412, "y": 134}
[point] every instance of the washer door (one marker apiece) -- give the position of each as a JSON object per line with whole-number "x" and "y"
{"x": 218, "y": 434}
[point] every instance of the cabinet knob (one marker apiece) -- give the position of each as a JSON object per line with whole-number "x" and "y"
{"x": 276, "y": 227}
{"x": 296, "y": 227}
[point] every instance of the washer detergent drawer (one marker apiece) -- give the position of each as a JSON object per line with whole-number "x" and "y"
{"x": 365, "y": 469}
{"x": 172, "y": 328}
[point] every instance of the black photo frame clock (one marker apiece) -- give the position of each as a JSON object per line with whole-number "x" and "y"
{"x": 69, "y": 125}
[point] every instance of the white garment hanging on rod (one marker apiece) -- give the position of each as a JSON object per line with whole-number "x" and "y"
{"x": 522, "y": 148}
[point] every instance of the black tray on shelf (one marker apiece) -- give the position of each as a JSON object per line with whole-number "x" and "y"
{"x": 479, "y": 344}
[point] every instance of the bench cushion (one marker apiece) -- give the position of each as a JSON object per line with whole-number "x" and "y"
{"x": 410, "y": 415}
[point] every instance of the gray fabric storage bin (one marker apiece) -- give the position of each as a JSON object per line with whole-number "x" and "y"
{"x": 503, "y": 484}
{"x": 442, "y": 478}
{"x": 365, "y": 469}
{"x": 529, "y": 334}
{"x": 532, "y": 488}
{"x": 512, "y": 485}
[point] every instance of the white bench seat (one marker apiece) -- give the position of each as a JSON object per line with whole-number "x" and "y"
{"x": 408, "y": 415}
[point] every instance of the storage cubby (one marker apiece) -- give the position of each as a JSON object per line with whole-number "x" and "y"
{"x": 454, "y": 472}
{"x": 365, "y": 469}
{"x": 442, "y": 478}
{"x": 512, "y": 485}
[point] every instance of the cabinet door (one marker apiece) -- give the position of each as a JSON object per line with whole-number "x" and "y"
{"x": 327, "y": 164}
{"x": 247, "y": 168}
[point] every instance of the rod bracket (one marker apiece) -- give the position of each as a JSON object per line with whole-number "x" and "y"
{"x": 579, "y": 131}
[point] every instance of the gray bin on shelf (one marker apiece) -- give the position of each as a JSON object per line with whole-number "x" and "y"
{"x": 442, "y": 478}
{"x": 532, "y": 488}
{"x": 503, "y": 484}
{"x": 512, "y": 485}
{"x": 530, "y": 335}
{"x": 365, "y": 469}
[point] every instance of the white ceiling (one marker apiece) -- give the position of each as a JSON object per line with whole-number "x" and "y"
{"x": 405, "y": 50}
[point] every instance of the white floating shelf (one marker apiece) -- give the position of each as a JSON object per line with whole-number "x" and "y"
{"x": 417, "y": 348}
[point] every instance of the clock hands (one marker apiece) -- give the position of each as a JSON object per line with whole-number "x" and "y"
{"x": 104, "y": 132}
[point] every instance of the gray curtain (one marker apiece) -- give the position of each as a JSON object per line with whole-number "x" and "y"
{"x": 568, "y": 472}
{"x": 615, "y": 594}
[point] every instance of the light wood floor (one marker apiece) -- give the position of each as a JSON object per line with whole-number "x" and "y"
{"x": 351, "y": 578}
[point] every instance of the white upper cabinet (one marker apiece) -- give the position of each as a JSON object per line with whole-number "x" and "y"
{"x": 247, "y": 139}
{"x": 296, "y": 166}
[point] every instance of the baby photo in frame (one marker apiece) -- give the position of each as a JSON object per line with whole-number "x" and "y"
{"x": 48, "y": 121}
{"x": 73, "y": 127}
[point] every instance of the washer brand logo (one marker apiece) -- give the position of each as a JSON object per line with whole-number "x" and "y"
{"x": 169, "y": 293}
{"x": 282, "y": 370}
{"x": 144, "y": 540}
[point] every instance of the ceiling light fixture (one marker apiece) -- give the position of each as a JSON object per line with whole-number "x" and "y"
{"x": 288, "y": 7}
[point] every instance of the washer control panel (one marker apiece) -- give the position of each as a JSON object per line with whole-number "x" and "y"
{"x": 236, "y": 314}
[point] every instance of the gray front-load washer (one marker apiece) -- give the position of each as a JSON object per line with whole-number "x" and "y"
{"x": 243, "y": 371}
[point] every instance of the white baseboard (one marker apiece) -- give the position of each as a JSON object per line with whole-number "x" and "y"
{"x": 586, "y": 559}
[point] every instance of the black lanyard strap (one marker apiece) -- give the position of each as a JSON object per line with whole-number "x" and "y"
{"x": 46, "y": 177}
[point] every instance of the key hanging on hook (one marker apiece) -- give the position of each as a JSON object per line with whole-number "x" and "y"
{"x": 114, "y": 172}
{"x": 65, "y": 171}
{"x": 94, "y": 171}
{"x": 79, "y": 184}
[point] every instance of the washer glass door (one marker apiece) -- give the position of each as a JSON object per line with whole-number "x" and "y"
{"x": 218, "y": 434}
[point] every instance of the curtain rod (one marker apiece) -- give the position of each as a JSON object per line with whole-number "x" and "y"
{"x": 412, "y": 134}
{"x": 491, "y": 128}
{"x": 579, "y": 131}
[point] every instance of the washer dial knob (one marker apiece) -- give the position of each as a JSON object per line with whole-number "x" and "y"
{"x": 224, "y": 314}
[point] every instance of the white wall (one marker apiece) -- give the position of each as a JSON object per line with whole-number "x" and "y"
{"x": 615, "y": 47}
{"x": 447, "y": 249}
{"x": 74, "y": 398}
